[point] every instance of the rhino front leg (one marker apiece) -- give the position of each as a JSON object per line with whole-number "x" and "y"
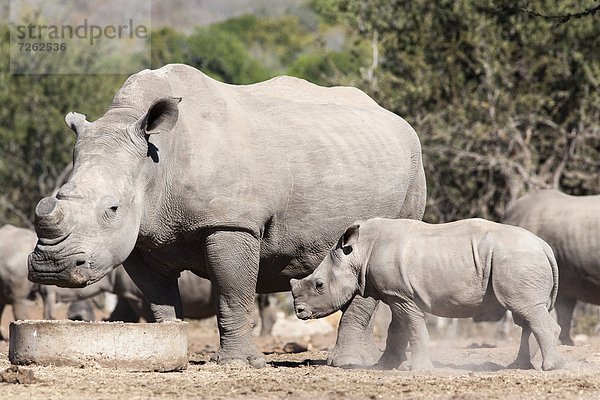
{"x": 418, "y": 337}
{"x": 355, "y": 344}
{"x": 160, "y": 291}
{"x": 232, "y": 261}
{"x": 396, "y": 343}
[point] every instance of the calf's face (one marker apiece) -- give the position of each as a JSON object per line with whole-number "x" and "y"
{"x": 333, "y": 283}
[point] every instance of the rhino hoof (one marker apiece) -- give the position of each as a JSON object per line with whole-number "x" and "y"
{"x": 367, "y": 356}
{"x": 421, "y": 365}
{"x": 556, "y": 363}
{"x": 520, "y": 364}
{"x": 253, "y": 361}
{"x": 567, "y": 341}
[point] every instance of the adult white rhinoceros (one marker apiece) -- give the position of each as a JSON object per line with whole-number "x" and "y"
{"x": 571, "y": 226}
{"x": 246, "y": 185}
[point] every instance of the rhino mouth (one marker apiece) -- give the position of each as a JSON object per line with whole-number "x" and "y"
{"x": 69, "y": 271}
{"x": 303, "y": 313}
{"x": 66, "y": 278}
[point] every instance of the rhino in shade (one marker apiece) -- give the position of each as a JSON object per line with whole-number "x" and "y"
{"x": 246, "y": 185}
{"x": 571, "y": 226}
{"x": 459, "y": 269}
{"x": 15, "y": 288}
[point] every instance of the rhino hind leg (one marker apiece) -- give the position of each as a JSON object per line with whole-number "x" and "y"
{"x": 564, "y": 314}
{"x": 232, "y": 262}
{"x": 538, "y": 321}
{"x": 546, "y": 331}
{"x": 523, "y": 360}
{"x": 355, "y": 344}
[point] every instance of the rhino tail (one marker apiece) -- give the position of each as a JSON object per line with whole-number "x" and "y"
{"x": 554, "y": 266}
{"x": 416, "y": 194}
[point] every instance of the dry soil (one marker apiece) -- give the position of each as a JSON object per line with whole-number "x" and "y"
{"x": 470, "y": 366}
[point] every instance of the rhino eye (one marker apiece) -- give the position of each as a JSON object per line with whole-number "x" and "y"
{"x": 111, "y": 212}
{"x": 347, "y": 250}
{"x": 319, "y": 285}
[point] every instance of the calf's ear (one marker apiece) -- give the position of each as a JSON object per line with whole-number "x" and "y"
{"x": 350, "y": 237}
{"x": 161, "y": 117}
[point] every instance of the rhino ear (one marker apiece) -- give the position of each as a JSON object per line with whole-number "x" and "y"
{"x": 161, "y": 116}
{"x": 350, "y": 237}
{"x": 77, "y": 122}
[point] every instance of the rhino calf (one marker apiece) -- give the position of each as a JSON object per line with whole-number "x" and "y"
{"x": 459, "y": 269}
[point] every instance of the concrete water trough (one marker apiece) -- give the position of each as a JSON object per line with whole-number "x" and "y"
{"x": 118, "y": 345}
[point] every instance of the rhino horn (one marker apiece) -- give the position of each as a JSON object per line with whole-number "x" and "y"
{"x": 50, "y": 219}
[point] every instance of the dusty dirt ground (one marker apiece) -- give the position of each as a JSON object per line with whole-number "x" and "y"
{"x": 471, "y": 366}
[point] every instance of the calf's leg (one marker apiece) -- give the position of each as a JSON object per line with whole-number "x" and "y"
{"x": 355, "y": 344}
{"x": 396, "y": 342}
{"x": 545, "y": 330}
{"x": 523, "y": 360}
{"x": 412, "y": 326}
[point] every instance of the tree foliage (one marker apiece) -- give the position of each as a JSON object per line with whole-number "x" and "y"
{"x": 505, "y": 102}
{"x": 35, "y": 144}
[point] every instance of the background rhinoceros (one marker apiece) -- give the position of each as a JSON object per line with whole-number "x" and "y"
{"x": 246, "y": 185}
{"x": 15, "y": 288}
{"x": 571, "y": 226}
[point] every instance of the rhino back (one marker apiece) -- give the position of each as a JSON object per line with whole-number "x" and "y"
{"x": 569, "y": 224}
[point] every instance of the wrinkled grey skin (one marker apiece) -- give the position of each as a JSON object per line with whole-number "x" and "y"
{"x": 248, "y": 186}
{"x": 81, "y": 310}
{"x": 459, "y": 269}
{"x": 571, "y": 226}
{"x": 15, "y": 288}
